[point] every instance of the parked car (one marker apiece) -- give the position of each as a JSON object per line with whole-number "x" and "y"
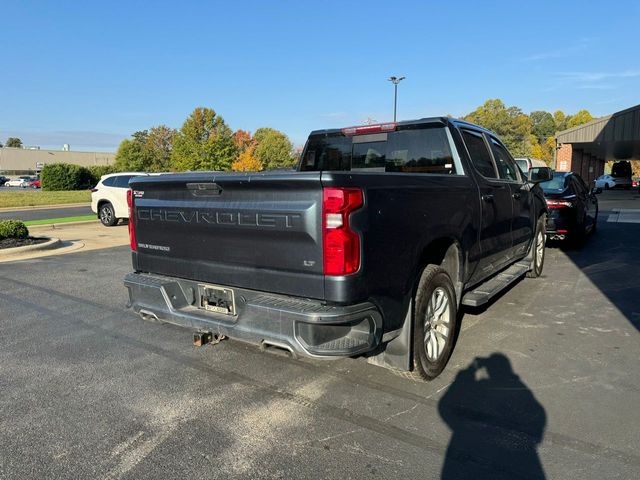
{"x": 3, "y": 180}
{"x": 109, "y": 197}
{"x": 635, "y": 182}
{"x": 35, "y": 183}
{"x": 573, "y": 207}
{"x": 608, "y": 182}
{"x": 526, "y": 163}
{"x": 22, "y": 181}
{"x": 368, "y": 249}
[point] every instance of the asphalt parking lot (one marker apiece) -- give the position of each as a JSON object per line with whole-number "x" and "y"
{"x": 542, "y": 384}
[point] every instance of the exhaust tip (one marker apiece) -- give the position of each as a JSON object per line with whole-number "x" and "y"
{"x": 148, "y": 316}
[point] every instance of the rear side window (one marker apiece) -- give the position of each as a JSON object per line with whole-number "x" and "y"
{"x": 506, "y": 167}
{"x": 122, "y": 181}
{"x": 415, "y": 149}
{"x": 108, "y": 182}
{"x": 480, "y": 156}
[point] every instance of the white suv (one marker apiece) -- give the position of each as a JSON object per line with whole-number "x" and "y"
{"x": 109, "y": 197}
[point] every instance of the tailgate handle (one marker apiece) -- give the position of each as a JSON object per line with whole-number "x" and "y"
{"x": 204, "y": 189}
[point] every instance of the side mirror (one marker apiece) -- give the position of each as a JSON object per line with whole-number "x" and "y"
{"x": 539, "y": 174}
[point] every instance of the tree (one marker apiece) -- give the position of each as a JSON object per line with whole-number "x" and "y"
{"x": 273, "y": 148}
{"x": 158, "y": 147}
{"x": 511, "y": 124}
{"x": 147, "y": 151}
{"x": 13, "y": 142}
{"x": 247, "y": 162}
{"x": 561, "y": 120}
{"x": 543, "y": 125}
{"x": 130, "y": 156}
{"x": 580, "y": 118}
{"x": 243, "y": 140}
{"x": 204, "y": 142}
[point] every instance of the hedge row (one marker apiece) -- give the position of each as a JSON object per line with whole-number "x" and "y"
{"x": 64, "y": 176}
{"x": 13, "y": 229}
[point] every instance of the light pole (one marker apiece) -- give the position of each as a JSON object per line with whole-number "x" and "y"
{"x": 395, "y": 81}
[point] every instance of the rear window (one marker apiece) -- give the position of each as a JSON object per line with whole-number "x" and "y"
{"x": 557, "y": 184}
{"x": 523, "y": 164}
{"x": 421, "y": 149}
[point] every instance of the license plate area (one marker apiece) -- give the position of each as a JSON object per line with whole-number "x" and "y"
{"x": 217, "y": 299}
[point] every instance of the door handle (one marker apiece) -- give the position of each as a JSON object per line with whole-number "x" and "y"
{"x": 516, "y": 196}
{"x": 487, "y": 198}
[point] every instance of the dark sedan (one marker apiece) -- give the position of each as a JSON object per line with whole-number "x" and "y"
{"x": 573, "y": 207}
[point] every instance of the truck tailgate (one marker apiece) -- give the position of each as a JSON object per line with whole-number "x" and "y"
{"x": 256, "y": 231}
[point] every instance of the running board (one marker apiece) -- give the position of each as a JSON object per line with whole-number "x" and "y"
{"x": 489, "y": 289}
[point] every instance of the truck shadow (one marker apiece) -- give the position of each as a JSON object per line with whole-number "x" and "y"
{"x": 496, "y": 423}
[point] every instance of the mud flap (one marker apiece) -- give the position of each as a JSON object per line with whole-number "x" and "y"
{"x": 396, "y": 353}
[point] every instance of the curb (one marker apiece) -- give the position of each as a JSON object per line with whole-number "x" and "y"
{"x": 50, "y": 244}
{"x": 60, "y": 225}
{"x": 43, "y": 207}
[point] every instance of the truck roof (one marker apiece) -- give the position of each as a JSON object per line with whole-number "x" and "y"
{"x": 440, "y": 120}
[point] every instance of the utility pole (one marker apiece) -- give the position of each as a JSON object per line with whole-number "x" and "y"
{"x": 395, "y": 81}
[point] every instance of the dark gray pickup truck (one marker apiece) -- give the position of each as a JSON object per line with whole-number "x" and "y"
{"x": 368, "y": 249}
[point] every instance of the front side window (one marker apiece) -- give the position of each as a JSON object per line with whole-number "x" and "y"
{"x": 480, "y": 156}
{"x": 415, "y": 149}
{"x": 504, "y": 163}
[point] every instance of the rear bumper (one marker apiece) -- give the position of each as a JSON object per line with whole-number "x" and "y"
{"x": 304, "y": 327}
{"x": 560, "y": 223}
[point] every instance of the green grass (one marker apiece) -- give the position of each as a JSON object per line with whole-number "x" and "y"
{"x": 32, "y": 198}
{"x": 49, "y": 221}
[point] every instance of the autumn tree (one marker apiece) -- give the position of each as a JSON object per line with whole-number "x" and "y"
{"x": 561, "y": 120}
{"x": 247, "y": 162}
{"x": 273, "y": 149}
{"x": 243, "y": 140}
{"x": 580, "y": 118}
{"x": 13, "y": 142}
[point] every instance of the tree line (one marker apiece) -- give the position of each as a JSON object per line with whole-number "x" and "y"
{"x": 204, "y": 142}
{"x": 531, "y": 135}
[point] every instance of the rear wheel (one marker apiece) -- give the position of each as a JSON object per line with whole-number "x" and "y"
{"x": 107, "y": 215}
{"x": 606, "y": 186}
{"x": 537, "y": 249}
{"x": 434, "y": 322}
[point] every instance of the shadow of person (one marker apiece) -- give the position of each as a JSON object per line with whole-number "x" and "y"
{"x": 496, "y": 423}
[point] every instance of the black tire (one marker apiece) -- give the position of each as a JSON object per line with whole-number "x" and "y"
{"x": 107, "y": 215}
{"x": 535, "y": 254}
{"x": 606, "y": 186}
{"x": 433, "y": 335}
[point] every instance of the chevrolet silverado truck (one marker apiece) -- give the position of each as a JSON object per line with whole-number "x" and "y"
{"x": 367, "y": 249}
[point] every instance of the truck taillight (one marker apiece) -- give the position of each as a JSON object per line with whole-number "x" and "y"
{"x": 341, "y": 245}
{"x": 132, "y": 222}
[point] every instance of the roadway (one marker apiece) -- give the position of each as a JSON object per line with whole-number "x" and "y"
{"x": 37, "y": 213}
{"x": 546, "y": 378}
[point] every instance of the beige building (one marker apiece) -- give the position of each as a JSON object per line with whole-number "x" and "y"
{"x": 25, "y": 161}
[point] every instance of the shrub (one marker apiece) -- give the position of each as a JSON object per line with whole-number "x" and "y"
{"x": 98, "y": 171}
{"x": 13, "y": 229}
{"x": 64, "y": 176}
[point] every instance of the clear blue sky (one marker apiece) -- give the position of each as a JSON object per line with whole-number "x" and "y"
{"x": 91, "y": 73}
